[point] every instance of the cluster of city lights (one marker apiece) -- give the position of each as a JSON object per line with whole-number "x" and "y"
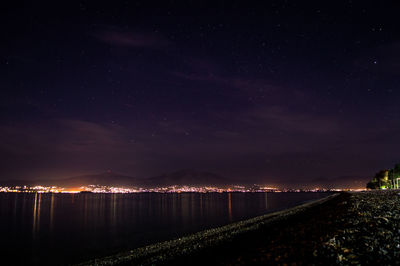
{"x": 36, "y": 189}
{"x": 168, "y": 189}
{"x": 108, "y": 189}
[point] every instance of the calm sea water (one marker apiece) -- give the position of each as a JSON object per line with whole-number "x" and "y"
{"x": 67, "y": 228}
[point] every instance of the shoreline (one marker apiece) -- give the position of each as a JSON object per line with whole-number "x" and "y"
{"x": 174, "y": 250}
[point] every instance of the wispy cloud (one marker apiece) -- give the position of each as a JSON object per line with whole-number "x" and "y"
{"x": 132, "y": 39}
{"x": 59, "y": 136}
{"x": 245, "y": 84}
{"x": 283, "y": 119}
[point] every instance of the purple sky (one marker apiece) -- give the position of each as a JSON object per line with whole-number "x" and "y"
{"x": 278, "y": 91}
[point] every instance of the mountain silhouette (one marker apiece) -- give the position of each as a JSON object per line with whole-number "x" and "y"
{"x": 187, "y": 177}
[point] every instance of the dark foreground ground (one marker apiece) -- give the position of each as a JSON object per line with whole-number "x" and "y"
{"x": 351, "y": 228}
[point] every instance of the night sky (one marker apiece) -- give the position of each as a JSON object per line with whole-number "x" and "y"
{"x": 263, "y": 90}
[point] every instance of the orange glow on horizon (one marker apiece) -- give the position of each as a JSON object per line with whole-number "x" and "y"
{"x": 72, "y": 190}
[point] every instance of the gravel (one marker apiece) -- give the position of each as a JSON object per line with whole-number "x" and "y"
{"x": 369, "y": 231}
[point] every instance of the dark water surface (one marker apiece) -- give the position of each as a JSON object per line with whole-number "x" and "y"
{"x": 68, "y": 228}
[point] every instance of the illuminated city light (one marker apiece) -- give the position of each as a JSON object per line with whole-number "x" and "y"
{"x": 168, "y": 189}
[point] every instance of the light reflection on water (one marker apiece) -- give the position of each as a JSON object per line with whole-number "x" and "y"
{"x": 41, "y": 228}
